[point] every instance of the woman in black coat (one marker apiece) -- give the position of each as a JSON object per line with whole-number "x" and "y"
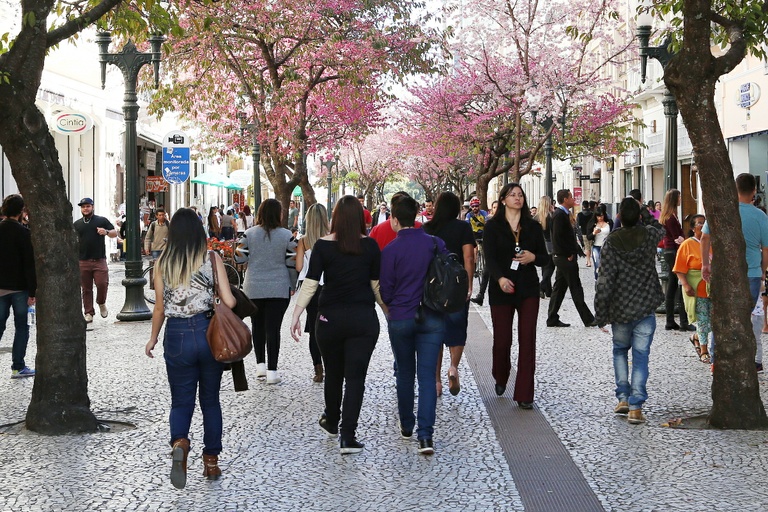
{"x": 514, "y": 243}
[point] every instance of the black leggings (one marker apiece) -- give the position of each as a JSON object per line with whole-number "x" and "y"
{"x": 346, "y": 336}
{"x": 266, "y": 329}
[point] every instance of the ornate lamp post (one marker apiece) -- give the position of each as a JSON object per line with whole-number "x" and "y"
{"x": 253, "y": 129}
{"x": 662, "y": 55}
{"x": 130, "y": 61}
{"x": 328, "y": 164}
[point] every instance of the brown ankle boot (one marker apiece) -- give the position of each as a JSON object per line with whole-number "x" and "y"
{"x": 179, "y": 466}
{"x": 318, "y": 373}
{"x": 211, "y": 468}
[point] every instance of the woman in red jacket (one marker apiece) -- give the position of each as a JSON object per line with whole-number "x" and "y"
{"x": 673, "y": 237}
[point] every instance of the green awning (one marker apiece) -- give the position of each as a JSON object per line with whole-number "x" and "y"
{"x": 297, "y": 191}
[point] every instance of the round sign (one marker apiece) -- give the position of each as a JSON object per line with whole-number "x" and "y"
{"x": 72, "y": 123}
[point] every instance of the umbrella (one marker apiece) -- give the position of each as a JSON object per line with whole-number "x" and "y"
{"x": 209, "y": 178}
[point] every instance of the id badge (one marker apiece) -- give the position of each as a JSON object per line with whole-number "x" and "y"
{"x": 515, "y": 264}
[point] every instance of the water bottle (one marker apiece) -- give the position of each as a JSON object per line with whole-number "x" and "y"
{"x": 31, "y": 315}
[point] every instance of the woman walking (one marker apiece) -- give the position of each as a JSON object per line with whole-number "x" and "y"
{"x": 544, "y": 218}
{"x": 597, "y": 231}
{"x": 514, "y": 244}
{"x": 214, "y": 225}
{"x": 184, "y": 294}
{"x": 317, "y": 227}
{"x": 673, "y": 237}
{"x": 459, "y": 240}
{"x": 267, "y": 283}
{"x": 698, "y": 306}
{"x": 347, "y": 326}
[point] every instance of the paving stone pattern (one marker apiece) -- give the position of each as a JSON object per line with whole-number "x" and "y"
{"x": 644, "y": 467}
{"x": 275, "y": 456}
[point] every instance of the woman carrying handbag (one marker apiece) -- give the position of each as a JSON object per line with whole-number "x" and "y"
{"x": 184, "y": 289}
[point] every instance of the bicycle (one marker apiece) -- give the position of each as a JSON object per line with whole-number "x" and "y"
{"x": 233, "y": 276}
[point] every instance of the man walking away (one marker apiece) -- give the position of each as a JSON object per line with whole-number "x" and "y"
{"x": 157, "y": 235}
{"x": 565, "y": 252}
{"x": 628, "y": 293}
{"x": 91, "y": 230}
{"x": 17, "y": 281}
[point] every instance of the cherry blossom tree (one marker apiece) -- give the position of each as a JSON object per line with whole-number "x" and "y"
{"x": 307, "y": 74}
{"x": 519, "y": 58}
{"x": 372, "y": 163}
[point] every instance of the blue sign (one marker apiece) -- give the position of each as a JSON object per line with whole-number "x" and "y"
{"x": 176, "y": 164}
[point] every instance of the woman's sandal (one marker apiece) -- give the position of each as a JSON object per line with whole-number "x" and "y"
{"x": 704, "y": 358}
{"x": 694, "y": 339}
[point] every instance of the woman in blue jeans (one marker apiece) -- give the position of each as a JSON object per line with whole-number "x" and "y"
{"x": 416, "y": 333}
{"x": 184, "y": 295}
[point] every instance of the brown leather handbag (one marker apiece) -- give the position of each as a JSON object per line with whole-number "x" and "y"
{"x": 228, "y": 336}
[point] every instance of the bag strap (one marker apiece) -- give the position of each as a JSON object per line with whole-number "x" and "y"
{"x": 434, "y": 245}
{"x": 215, "y": 280}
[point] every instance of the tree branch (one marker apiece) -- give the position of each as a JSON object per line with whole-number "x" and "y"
{"x": 75, "y": 25}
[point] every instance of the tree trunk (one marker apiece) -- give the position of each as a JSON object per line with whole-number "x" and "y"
{"x": 60, "y": 402}
{"x": 735, "y": 388}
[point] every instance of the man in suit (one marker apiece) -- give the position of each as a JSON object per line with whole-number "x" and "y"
{"x": 565, "y": 253}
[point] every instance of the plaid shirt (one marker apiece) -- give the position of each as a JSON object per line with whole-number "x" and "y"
{"x": 628, "y": 287}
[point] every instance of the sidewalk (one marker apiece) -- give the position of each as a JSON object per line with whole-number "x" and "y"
{"x": 276, "y": 458}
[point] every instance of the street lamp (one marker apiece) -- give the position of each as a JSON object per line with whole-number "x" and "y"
{"x": 253, "y": 129}
{"x": 130, "y": 61}
{"x": 328, "y": 164}
{"x": 663, "y": 56}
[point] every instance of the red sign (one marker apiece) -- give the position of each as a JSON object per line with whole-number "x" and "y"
{"x": 156, "y": 184}
{"x": 577, "y": 195}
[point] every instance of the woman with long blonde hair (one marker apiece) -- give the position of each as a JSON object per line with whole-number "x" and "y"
{"x": 673, "y": 237}
{"x": 317, "y": 227}
{"x": 184, "y": 294}
{"x": 544, "y": 217}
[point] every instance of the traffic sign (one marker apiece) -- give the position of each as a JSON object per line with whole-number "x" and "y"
{"x": 176, "y": 157}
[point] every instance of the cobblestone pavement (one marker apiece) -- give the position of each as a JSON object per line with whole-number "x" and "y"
{"x": 276, "y": 458}
{"x": 644, "y": 467}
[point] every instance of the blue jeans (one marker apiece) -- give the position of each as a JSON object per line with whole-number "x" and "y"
{"x": 416, "y": 347}
{"x": 596, "y": 258}
{"x": 638, "y": 336}
{"x": 17, "y": 301}
{"x": 189, "y": 361}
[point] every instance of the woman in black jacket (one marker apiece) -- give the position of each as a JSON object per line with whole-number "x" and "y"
{"x": 514, "y": 243}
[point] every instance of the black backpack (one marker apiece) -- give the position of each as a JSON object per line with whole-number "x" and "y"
{"x": 446, "y": 285}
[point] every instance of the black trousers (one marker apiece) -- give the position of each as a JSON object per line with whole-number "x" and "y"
{"x": 346, "y": 336}
{"x": 546, "y": 277}
{"x": 567, "y": 277}
{"x": 674, "y": 292}
{"x": 266, "y": 329}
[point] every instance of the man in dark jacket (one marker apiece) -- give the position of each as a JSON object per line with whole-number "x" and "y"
{"x": 17, "y": 281}
{"x": 565, "y": 251}
{"x": 628, "y": 293}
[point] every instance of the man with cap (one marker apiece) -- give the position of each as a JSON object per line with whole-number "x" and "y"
{"x": 91, "y": 230}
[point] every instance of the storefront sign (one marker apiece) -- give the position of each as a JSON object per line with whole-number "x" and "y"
{"x": 577, "y": 195}
{"x": 156, "y": 184}
{"x": 748, "y": 95}
{"x": 72, "y": 123}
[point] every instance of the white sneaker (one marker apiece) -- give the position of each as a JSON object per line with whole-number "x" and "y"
{"x": 104, "y": 311}
{"x": 88, "y": 318}
{"x": 261, "y": 370}
{"x": 273, "y": 377}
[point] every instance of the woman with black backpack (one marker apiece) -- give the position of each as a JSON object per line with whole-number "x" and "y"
{"x": 514, "y": 243}
{"x": 459, "y": 240}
